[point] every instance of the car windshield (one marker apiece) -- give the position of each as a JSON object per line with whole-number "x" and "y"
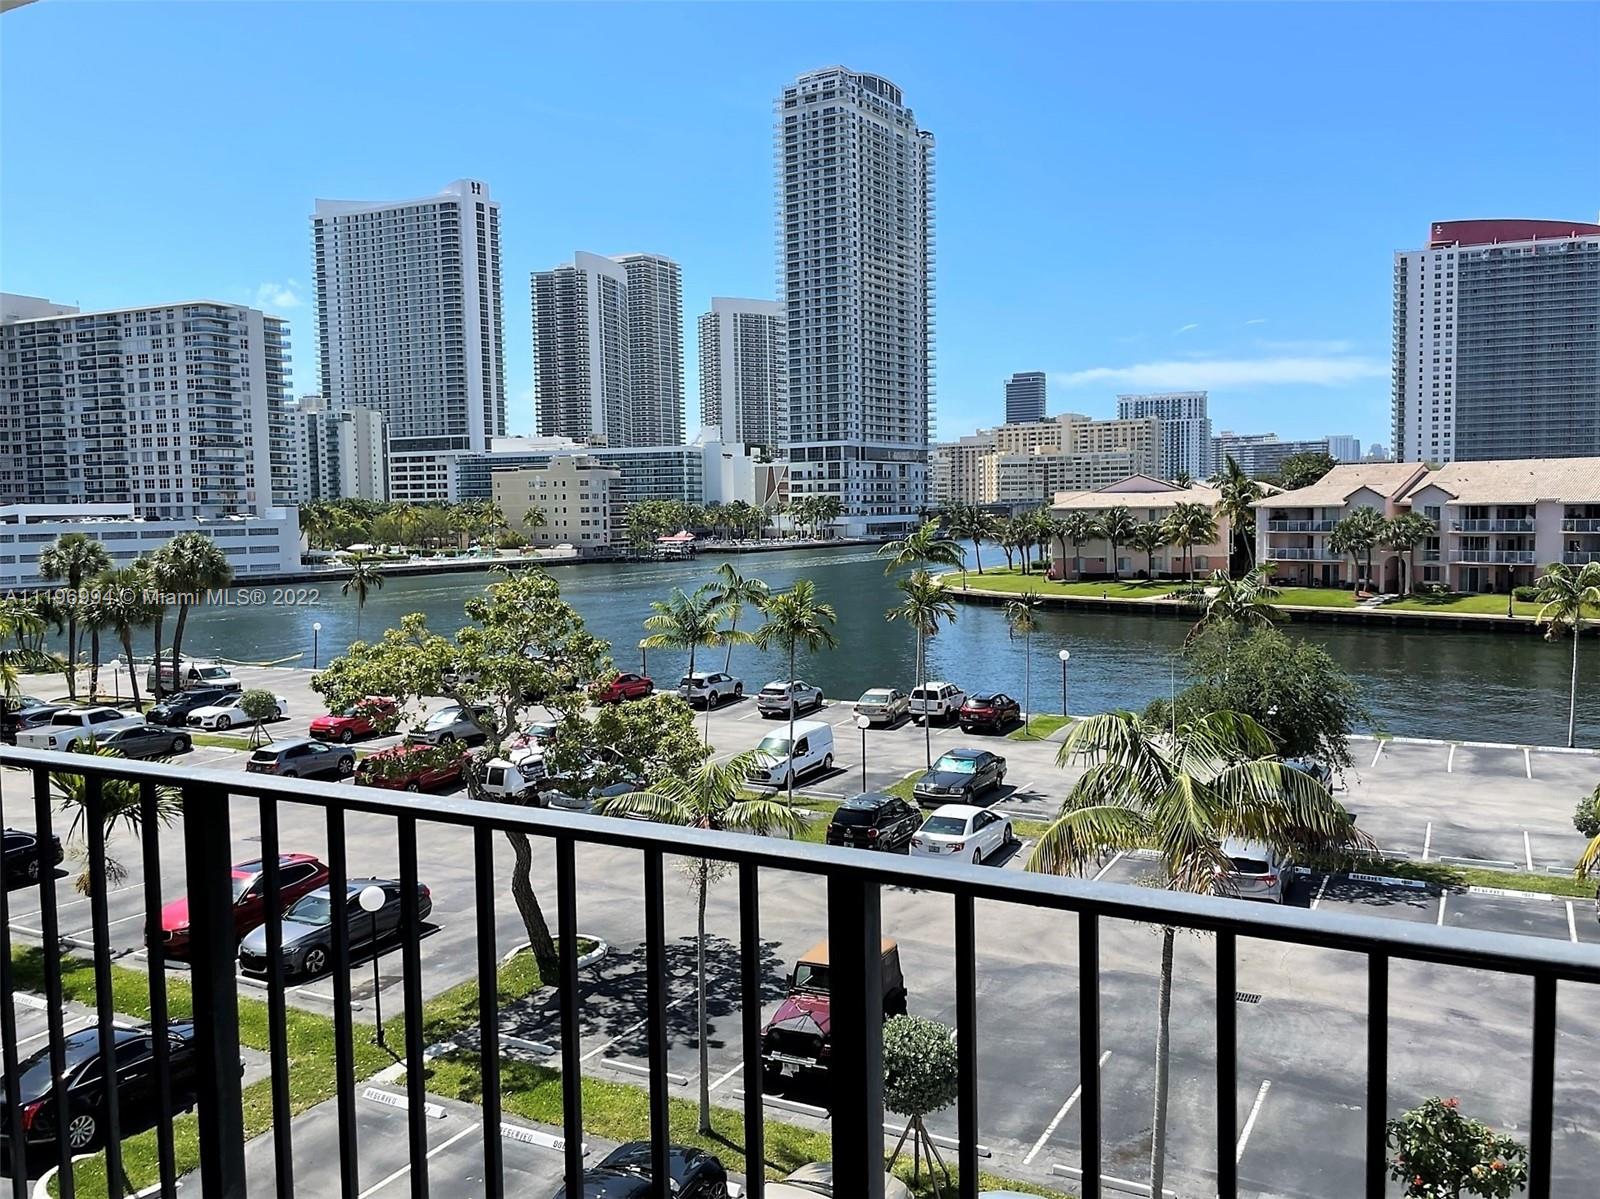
{"x": 241, "y": 883}
{"x": 64, "y": 718}
{"x": 316, "y": 908}
{"x": 875, "y": 697}
{"x": 950, "y": 825}
{"x": 774, "y": 689}
{"x": 1248, "y": 866}
{"x": 35, "y": 1075}
{"x": 980, "y": 699}
{"x": 854, "y": 816}
{"x": 264, "y": 755}
{"x": 808, "y": 976}
{"x": 778, "y": 747}
{"x": 951, "y": 764}
{"x": 444, "y": 718}
{"x": 691, "y": 680}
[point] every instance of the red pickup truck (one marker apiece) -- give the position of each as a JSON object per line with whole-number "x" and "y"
{"x": 621, "y": 687}
{"x": 363, "y": 720}
{"x": 411, "y": 768}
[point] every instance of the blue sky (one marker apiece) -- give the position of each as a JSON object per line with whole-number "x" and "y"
{"x": 1131, "y": 197}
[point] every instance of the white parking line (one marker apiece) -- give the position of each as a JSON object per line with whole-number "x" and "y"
{"x": 1527, "y": 850}
{"x": 1099, "y": 874}
{"x": 67, "y": 1029}
{"x": 1427, "y": 841}
{"x": 1250, "y": 1121}
{"x": 622, "y": 1063}
{"x": 1077, "y": 1093}
{"x": 406, "y": 1169}
{"x": 632, "y": 1028}
{"x": 82, "y": 932}
{"x": 1450, "y": 762}
{"x": 1323, "y": 886}
{"x": 727, "y": 1076}
{"x": 1443, "y": 895}
{"x": 1572, "y": 923}
{"x": 1527, "y": 761}
{"x": 1376, "y": 754}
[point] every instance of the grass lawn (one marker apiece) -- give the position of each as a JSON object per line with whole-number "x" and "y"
{"x": 1040, "y": 725}
{"x": 1002, "y": 579}
{"x": 1472, "y": 604}
{"x": 1315, "y": 597}
{"x": 1443, "y": 875}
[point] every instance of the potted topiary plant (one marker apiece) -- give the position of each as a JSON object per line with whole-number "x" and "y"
{"x": 1441, "y": 1154}
{"x": 919, "y": 1078}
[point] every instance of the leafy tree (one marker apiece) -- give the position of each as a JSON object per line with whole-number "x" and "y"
{"x": 922, "y": 547}
{"x": 364, "y": 578}
{"x": 260, "y": 706}
{"x": 711, "y": 796}
{"x": 920, "y": 1077}
{"x": 1191, "y": 524}
{"x": 1022, "y": 620}
{"x": 1183, "y": 790}
{"x": 1118, "y": 527}
{"x": 191, "y": 564}
{"x": 650, "y": 739}
{"x": 1302, "y": 470}
{"x": 1586, "y": 819}
{"x": 1441, "y": 1154}
{"x": 1147, "y": 538}
{"x": 73, "y": 559}
{"x": 1355, "y": 535}
{"x": 797, "y": 619}
{"x": 1403, "y": 534}
{"x": 733, "y": 592}
{"x": 924, "y": 605}
{"x": 1566, "y": 597}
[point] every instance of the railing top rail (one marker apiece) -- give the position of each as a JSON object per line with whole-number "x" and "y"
{"x": 1502, "y": 953}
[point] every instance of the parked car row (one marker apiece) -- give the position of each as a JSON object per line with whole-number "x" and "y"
{"x": 982, "y": 711}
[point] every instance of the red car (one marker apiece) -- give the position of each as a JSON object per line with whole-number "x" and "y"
{"x": 621, "y": 687}
{"x": 411, "y": 768}
{"x": 362, "y": 720}
{"x": 990, "y": 711}
{"x": 298, "y": 873}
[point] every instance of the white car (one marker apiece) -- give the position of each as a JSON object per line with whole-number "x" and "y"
{"x": 710, "y": 688}
{"x": 960, "y": 833}
{"x": 938, "y": 700}
{"x": 517, "y": 779}
{"x": 229, "y": 711}
{"x": 68, "y": 727}
{"x": 1254, "y": 871}
{"x": 776, "y": 698}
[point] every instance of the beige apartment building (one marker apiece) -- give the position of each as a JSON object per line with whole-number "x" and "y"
{"x": 1498, "y": 523}
{"x": 1148, "y": 501}
{"x": 576, "y": 493}
{"x": 1027, "y": 463}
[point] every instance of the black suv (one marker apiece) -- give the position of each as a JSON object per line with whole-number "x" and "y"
{"x": 875, "y": 821}
{"x": 173, "y": 712}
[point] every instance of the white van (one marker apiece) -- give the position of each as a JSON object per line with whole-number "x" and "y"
{"x": 777, "y": 762}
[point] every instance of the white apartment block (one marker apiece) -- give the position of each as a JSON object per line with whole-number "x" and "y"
{"x": 1498, "y": 523}
{"x": 1344, "y": 448}
{"x": 340, "y": 454}
{"x": 576, "y": 494}
{"x": 744, "y": 370}
{"x": 176, "y": 409}
{"x": 1497, "y": 342}
{"x": 855, "y": 225}
{"x": 654, "y": 412}
{"x": 1263, "y": 454}
{"x": 409, "y": 318}
{"x": 1185, "y": 429}
{"x": 1029, "y": 462}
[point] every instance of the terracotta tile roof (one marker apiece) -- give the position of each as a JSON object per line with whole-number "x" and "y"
{"x": 1517, "y": 481}
{"x": 1160, "y": 495}
{"x": 1339, "y": 484}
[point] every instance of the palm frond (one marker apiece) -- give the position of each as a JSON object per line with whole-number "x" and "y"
{"x": 1079, "y": 835}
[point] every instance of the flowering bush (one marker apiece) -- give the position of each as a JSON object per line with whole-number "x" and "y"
{"x": 1440, "y": 1154}
{"x": 919, "y": 1066}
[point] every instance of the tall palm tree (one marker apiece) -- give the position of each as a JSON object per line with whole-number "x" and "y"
{"x": 193, "y": 564}
{"x": 1022, "y": 620}
{"x": 1355, "y": 535}
{"x": 922, "y": 547}
{"x": 73, "y": 558}
{"x": 534, "y": 519}
{"x": 797, "y": 619}
{"x": 126, "y": 606}
{"x": 1148, "y": 537}
{"x": 707, "y": 798}
{"x": 1565, "y": 598}
{"x": 1239, "y": 493}
{"x": 365, "y": 577}
{"x": 1118, "y": 527}
{"x": 1245, "y": 602}
{"x": 1182, "y": 791}
{"x": 973, "y": 523}
{"x": 1403, "y": 534}
{"x": 1189, "y": 525}
{"x": 734, "y": 593}
{"x": 1078, "y": 527}
{"x": 94, "y": 618}
{"x": 923, "y": 605}
{"x": 687, "y": 620}
{"x": 121, "y": 809}
{"x": 1006, "y": 535}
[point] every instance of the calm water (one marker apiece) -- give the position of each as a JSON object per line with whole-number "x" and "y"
{"x": 1429, "y": 684}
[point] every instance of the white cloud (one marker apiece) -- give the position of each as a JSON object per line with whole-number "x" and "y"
{"x": 274, "y": 297}
{"x": 1217, "y": 373}
{"x": 1258, "y": 320}
{"x": 1185, "y": 328}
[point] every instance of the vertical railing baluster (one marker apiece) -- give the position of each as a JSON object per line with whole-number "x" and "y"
{"x": 1089, "y": 1051}
{"x": 94, "y": 821}
{"x": 655, "y": 966}
{"x": 1227, "y": 1066}
{"x": 50, "y": 934}
{"x": 344, "y": 1068}
{"x": 967, "y": 1046}
{"x": 483, "y": 878}
{"x": 155, "y": 951}
{"x": 208, "y": 852}
{"x": 855, "y": 1068}
{"x": 1377, "y": 1151}
{"x": 1541, "y": 1137}
{"x": 411, "y": 982}
{"x": 16, "y": 1146}
{"x": 277, "y": 1007}
{"x": 567, "y": 985}
{"x": 750, "y": 980}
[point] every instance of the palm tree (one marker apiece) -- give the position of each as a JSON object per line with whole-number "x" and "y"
{"x": 1239, "y": 494}
{"x": 1118, "y": 527}
{"x": 1403, "y": 534}
{"x": 797, "y": 618}
{"x": 732, "y": 591}
{"x": 1243, "y": 602}
{"x": 1147, "y": 538}
{"x": 1564, "y": 595}
{"x": 125, "y": 606}
{"x": 121, "y": 808}
{"x": 1189, "y": 525}
{"x": 825, "y": 510}
{"x": 364, "y": 577}
{"x": 1022, "y": 620}
{"x": 92, "y": 615}
{"x": 1182, "y": 791}
{"x": 685, "y": 621}
{"x": 923, "y": 606}
{"x": 1355, "y": 535}
{"x": 534, "y": 519}
{"x": 1077, "y": 527}
{"x": 974, "y": 523}
{"x": 921, "y": 548}
{"x": 708, "y": 798}
{"x": 193, "y": 565}
{"x": 73, "y": 558}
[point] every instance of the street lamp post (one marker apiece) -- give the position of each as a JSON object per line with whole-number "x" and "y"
{"x": 644, "y": 660}
{"x": 371, "y": 900}
{"x": 863, "y": 723}
{"x": 316, "y": 636}
{"x": 1065, "y": 656}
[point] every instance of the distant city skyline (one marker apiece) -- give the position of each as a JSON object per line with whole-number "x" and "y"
{"x": 1096, "y": 274}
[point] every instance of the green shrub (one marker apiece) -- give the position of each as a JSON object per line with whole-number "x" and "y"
{"x": 1587, "y": 818}
{"x": 1527, "y": 595}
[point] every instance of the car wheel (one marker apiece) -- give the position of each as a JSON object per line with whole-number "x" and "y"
{"x": 346, "y": 737}
{"x": 827, "y": 763}
{"x": 316, "y": 961}
{"x": 738, "y": 691}
{"x": 413, "y": 785}
{"x": 71, "y": 747}
{"x": 223, "y": 723}
{"x": 1010, "y": 836}
{"x": 180, "y": 745}
{"x": 977, "y": 857}
{"x": 347, "y": 766}
{"x": 83, "y": 1131}
{"x": 32, "y": 869}
{"x": 447, "y": 740}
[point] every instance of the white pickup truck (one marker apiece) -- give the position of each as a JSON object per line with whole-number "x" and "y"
{"x": 517, "y": 778}
{"x": 73, "y": 725}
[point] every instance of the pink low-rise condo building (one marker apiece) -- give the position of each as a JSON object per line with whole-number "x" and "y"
{"x": 1148, "y": 501}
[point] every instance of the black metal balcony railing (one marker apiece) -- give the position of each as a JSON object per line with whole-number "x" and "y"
{"x": 854, "y": 881}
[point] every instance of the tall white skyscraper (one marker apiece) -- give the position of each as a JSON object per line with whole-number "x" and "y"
{"x": 1497, "y": 342}
{"x": 744, "y": 370}
{"x": 1185, "y": 429}
{"x": 409, "y": 316}
{"x": 608, "y": 350}
{"x": 855, "y": 223}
